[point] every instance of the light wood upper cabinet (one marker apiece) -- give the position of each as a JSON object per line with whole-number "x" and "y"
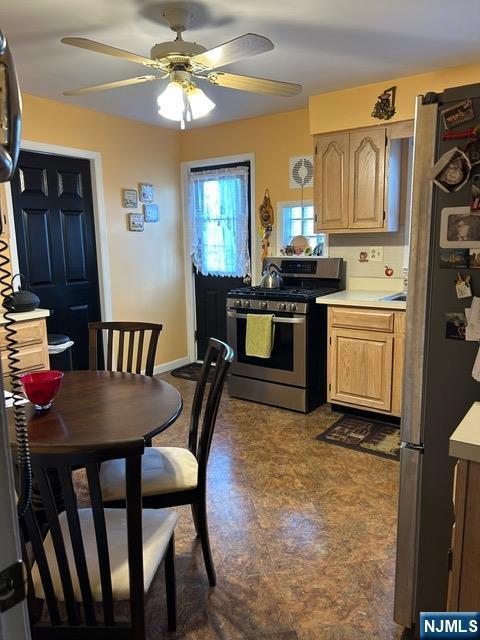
{"x": 367, "y": 179}
{"x": 358, "y": 179}
{"x": 331, "y": 181}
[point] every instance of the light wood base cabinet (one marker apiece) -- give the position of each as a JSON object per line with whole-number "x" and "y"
{"x": 365, "y": 358}
{"x": 464, "y": 582}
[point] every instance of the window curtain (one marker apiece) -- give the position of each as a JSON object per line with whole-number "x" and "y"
{"x": 218, "y": 208}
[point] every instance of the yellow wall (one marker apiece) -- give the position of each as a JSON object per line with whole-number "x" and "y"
{"x": 146, "y": 268}
{"x": 273, "y": 139}
{"x": 352, "y": 107}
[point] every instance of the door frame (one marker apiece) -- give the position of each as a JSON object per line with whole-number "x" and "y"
{"x": 99, "y": 215}
{"x": 190, "y": 302}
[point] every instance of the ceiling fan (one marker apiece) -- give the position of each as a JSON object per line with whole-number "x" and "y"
{"x": 182, "y": 61}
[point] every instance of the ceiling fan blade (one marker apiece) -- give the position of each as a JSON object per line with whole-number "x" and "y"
{"x": 256, "y": 85}
{"x": 109, "y": 85}
{"x": 91, "y": 45}
{"x": 244, "y": 46}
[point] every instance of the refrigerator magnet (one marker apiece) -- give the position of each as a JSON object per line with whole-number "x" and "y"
{"x": 451, "y": 171}
{"x": 458, "y": 114}
{"x": 462, "y": 286}
{"x": 459, "y": 228}
{"x": 475, "y": 201}
{"x": 455, "y": 326}
{"x": 472, "y": 151}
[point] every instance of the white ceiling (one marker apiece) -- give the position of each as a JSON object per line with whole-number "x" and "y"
{"x": 322, "y": 44}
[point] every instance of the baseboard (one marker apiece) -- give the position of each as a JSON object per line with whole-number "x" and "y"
{"x": 168, "y": 366}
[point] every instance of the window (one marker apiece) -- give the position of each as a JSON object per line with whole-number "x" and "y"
{"x": 299, "y": 221}
{"x": 219, "y": 221}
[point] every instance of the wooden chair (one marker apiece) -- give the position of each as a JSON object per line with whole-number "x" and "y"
{"x": 91, "y": 557}
{"x": 131, "y": 330}
{"x": 172, "y": 476}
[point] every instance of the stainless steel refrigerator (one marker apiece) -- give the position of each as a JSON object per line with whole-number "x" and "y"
{"x": 438, "y": 384}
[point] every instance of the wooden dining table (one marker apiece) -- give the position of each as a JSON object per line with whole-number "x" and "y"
{"x": 96, "y": 407}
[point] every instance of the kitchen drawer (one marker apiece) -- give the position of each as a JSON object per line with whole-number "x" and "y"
{"x": 366, "y": 319}
{"x": 28, "y": 332}
{"x": 31, "y": 358}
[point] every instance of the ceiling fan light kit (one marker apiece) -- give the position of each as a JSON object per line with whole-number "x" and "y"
{"x": 182, "y": 101}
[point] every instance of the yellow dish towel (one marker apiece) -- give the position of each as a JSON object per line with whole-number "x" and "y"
{"x": 260, "y": 335}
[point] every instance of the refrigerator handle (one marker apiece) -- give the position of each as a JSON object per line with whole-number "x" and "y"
{"x": 418, "y": 270}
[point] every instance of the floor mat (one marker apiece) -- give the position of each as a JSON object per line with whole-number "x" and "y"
{"x": 362, "y": 434}
{"x": 191, "y": 372}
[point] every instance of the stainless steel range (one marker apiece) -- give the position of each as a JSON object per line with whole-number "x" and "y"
{"x": 294, "y": 377}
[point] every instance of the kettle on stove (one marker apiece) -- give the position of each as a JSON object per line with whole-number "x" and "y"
{"x": 271, "y": 278}
{"x": 21, "y": 300}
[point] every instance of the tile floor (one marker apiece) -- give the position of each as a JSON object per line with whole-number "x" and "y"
{"x": 302, "y": 532}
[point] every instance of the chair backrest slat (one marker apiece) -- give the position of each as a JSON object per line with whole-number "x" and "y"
{"x": 77, "y": 545}
{"x": 35, "y": 537}
{"x": 221, "y": 355}
{"x": 133, "y": 492}
{"x": 141, "y": 338}
{"x": 131, "y": 344}
{"x": 102, "y": 542}
{"x": 48, "y": 501}
{"x": 131, "y": 330}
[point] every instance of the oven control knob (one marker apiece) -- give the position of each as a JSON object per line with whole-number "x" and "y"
{"x": 237, "y": 303}
{"x": 264, "y": 305}
{"x": 246, "y": 303}
{"x": 293, "y": 307}
{"x": 282, "y": 306}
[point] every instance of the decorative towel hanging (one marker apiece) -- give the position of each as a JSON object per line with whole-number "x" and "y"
{"x": 267, "y": 220}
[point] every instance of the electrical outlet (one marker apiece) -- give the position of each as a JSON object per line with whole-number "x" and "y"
{"x": 375, "y": 254}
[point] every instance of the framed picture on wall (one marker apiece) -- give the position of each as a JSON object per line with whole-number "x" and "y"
{"x": 146, "y": 192}
{"x": 129, "y": 198}
{"x": 150, "y": 212}
{"x": 135, "y": 222}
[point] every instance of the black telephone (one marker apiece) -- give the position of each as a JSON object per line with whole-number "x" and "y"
{"x": 10, "y": 136}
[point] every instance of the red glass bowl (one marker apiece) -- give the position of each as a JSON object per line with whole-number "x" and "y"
{"x": 41, "y": 387}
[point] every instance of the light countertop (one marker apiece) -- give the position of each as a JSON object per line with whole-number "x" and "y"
{"x": 465, "y": 440}
{"x": 27, "y": 315}
{"x": 362, "y": 298}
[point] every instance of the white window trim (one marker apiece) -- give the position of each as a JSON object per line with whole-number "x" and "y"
{"x": 279, "y": 222}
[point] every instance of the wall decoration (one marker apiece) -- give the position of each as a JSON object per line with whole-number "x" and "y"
{"x": 136, "y": 222}
{"x": 473, "y": 132}
{"x": 389, "y": 271}
{"x": 455, "y": 325}
{"x": 146, "y": 192}
{"x": 267, "y": 219}
{"x": 460, "y": 228}
{"x": 474, "y": 259}
{"x": 454, "y": 258}
{"x": 301, "y": 172}
{"x": 150, "y": 212}
{"x": 451, "y": 171}
{"x": 363, "y": 256}
{"x": 458, "y": 114}
{"x": 384, "y": 108}
{"x": 129, "y": 198}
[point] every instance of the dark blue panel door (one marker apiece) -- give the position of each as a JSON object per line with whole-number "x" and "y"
{"x": 55, "y": 232}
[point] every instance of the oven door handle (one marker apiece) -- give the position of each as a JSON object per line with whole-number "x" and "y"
{"x": 276, "y": 320}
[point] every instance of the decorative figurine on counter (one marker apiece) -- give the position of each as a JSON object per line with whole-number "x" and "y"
{"x": 384, "y": 108}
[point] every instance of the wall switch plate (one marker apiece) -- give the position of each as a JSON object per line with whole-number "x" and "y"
{"x": 375, "y": 254}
